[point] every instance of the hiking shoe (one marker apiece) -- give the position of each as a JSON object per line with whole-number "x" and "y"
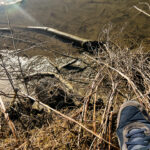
{"x": 133, "y": 127}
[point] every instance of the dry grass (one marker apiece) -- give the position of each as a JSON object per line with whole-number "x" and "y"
{"x": 68, "y": 114}
{"x": 50, "y": 112}
{"x": 121, "y": 76}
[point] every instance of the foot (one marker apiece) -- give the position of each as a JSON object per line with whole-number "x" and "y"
{"x": 133, "y": 127}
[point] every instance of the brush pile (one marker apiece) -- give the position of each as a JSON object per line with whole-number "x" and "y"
{"x": 69, "y": 105}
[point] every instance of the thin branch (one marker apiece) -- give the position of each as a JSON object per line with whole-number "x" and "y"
{"x": 142, "y": 11}
{"x": 8, "y": 74}
{"x": 140, "y": 96}
{"x": 14, "y": 45}
{"x": 145, "y": 3}
{"x": 87, "y": 99}
{"x": 94, "y": 111}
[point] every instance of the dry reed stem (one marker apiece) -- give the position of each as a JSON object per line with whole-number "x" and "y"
{"x": 21, "y": 146}
{"x": 110, "y": 125}
{"x": 87, "y": 99}
{"x": 142, "y": 11}
{"x": 107, "y": 110}
{"x": 94, "y": 114}
{"x": 10, "y": 123}
{"x": 109, "y": 107}
{"x": 94, "y": 111}
{"x": 139, "y": 95}
{"x": 68, "y": 118}
{"x": 93, "y": 86}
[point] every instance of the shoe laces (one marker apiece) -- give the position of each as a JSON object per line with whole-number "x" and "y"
{"x": 137, "y": 140}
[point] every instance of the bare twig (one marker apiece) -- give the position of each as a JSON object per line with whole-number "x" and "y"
{"x": 142, "y": 11}
{"x": 87, "y": 99}
{"x": 94, "y": 111}
{"x": 14, "y": 45}
{"x": 140, "y": 96}
{"x": 110, "y": 125}
{"x": 92, "y": 89}
{"x": 114, "y": 86}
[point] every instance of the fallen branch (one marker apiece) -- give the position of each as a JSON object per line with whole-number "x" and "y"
{"x": 77, "y": 40}
{"x": 86, "y": 44}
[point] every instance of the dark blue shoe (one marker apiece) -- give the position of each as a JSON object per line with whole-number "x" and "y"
{"x": 133, "y": 127}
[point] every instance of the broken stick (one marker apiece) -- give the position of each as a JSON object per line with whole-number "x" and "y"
{"x": 86, "y": 44}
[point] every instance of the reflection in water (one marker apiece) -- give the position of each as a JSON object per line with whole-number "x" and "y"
{"x": 90, "y": 19}
{"x": 9, "y": 2}
{"x": 14, "y": 7}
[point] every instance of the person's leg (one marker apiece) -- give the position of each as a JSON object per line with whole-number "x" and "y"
{"x": 133, "y": 127}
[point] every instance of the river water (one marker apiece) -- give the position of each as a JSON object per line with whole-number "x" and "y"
{"x": 115, "y": 20}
